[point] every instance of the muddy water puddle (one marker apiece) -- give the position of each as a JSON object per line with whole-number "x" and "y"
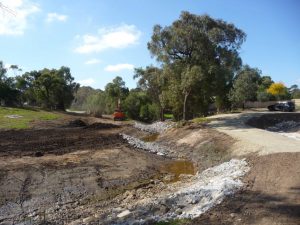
{"x": 177, "y": 168}
{"x": 150, "y": 138}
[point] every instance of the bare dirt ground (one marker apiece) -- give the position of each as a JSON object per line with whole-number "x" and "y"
{"x": 271, "y": 194}
{"x": 76, "y": 169}
{"x": 65, "y": 165}
{"x": 72, "y": 168}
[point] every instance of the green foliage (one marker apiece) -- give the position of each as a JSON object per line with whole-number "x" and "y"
{"x": 263, "y": 84}
{"x": 52, "y": 89}
{"x": 264, "y": 96}
{"x": 81, "y": 97}
{"x": 201, "y": 120}
{"x": 8, "y": 94}
{"x": 245, "y": 86}
{"x": 294, "y": 91}
{"x": 117, "y": 92}
{"x": 138, "y": 106}
{"x": 149, "y": 113}
{"x": 27, "y": 116}
{"x": 152, "y": 81}
{"x": 168, "y": 116}
{"x": 296, "y": 94}
{"x": 96, "y": 104}
{"x": 199, "y": 57}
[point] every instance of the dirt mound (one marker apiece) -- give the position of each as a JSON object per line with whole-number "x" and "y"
{"x": 102, "y": 126}
{"x": 271, "y": 195}
{"x": 270, "y": 120}
{"x": 77, "y": 123}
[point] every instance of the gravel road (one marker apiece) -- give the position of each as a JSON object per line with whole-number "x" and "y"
{"x": 271, "y": 194}
{"x": 250, "y": 139}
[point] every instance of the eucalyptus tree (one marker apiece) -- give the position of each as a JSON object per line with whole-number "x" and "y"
{"x": 245, "y": 86}
{"x": 8, "y": 94}
{"x": 210, "y": 44}
{"x": 152, "y": 81}
{"x": 117, "y": 92}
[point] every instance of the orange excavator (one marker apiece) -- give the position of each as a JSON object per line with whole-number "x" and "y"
{"x": 118, "y": 113}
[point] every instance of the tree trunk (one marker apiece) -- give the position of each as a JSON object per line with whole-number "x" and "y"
{"x": 162, "y": 117}
{"x": 184, "y": 106}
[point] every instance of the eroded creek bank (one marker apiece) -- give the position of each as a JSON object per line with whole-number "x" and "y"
{"x": 90, "y": 175}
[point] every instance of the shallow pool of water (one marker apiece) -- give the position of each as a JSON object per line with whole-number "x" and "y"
{"x": 150, "y": 138}
{"x": 176, "y": 168}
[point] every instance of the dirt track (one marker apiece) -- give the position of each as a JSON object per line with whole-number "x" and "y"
{"x": 272, "y": 193}
{"x": 250, "y": 139}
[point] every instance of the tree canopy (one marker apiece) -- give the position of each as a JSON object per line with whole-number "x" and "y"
{"x": 53, "y": 89}
{"x": 199, "y": 55}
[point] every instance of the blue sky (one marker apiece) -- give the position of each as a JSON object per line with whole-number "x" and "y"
{"x": 100, "y": 39}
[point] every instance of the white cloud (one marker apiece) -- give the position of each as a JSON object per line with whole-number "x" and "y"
{"x": 106, "y": 38}
{"x": 93, "y": 61}
{"x": 56, "y": 17}
{"x": 15, "y": 15}
{"x": 119, "y": 67}
{"x": 87, "y": 82}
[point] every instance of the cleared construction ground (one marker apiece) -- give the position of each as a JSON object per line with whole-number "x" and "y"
{"x": 79, "y": 170}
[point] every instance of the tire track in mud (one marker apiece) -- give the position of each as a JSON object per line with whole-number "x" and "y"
{"x": 24, "y": 191}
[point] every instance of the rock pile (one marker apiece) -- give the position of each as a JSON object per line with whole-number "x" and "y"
{"x": 157, "y": 127}
{"x": 187, "y": 199}
{"x": 148, "y": 146}
{"x": 284, "y": 126}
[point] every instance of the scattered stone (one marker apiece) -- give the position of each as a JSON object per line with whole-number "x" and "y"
{"x": 88, "y": 219}
{"x": 123, "y": 214}
{"x": 189, "y": 199}
{"x": 284, "y": 126}
{"x": 157, "y": 127}
{"x": 148, "y": 146}
{"x": 169, "y": 177}
{"x": 13, "y": 116}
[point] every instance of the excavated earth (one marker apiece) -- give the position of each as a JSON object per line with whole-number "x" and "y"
{"x": 79, "y": 170}
{"x": 70, "y": 171}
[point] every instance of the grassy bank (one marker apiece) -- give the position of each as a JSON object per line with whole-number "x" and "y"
{"x": 19, "y": 118}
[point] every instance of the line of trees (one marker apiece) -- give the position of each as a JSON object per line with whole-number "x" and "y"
{"x": 51, "y": 89}
{"x": 199, "y": 65}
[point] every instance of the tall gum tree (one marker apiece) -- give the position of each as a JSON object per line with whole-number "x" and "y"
{"x": 210, "y": 44}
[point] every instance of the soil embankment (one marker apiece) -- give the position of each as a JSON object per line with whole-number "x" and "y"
{"x": 271, "y": 195}
{"x": 79, "y": 170}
